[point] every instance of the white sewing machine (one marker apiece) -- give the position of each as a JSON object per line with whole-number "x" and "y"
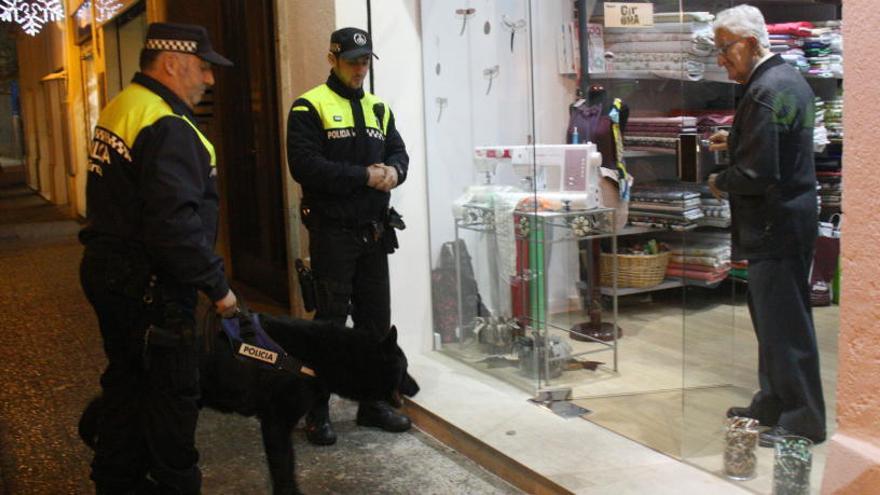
{"x": 569, "y": 171}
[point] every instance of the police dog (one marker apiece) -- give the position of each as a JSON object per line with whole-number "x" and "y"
{"x": 346, "y": 361}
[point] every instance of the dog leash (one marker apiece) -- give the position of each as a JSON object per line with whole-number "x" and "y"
{"x": 250, "y": 342}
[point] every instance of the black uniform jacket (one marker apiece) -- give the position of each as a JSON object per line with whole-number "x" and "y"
{"x": 151, "y": 187}
{"x": 772, "y": 178}
{"x": 333, "y": 134}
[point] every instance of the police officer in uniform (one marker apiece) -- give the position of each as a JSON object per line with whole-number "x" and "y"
{"x": 149, "y": 246}
{"x": 345, "y": 151}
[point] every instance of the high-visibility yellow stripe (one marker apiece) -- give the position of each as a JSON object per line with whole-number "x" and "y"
{"x": 300, "y": 108}
{"x": 135, "y": 108}
{"x": 204, "y": 139}
{"x": 335, "y": 111}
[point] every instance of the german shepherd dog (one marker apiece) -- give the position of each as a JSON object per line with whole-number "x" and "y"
{"x": 346, "y": 361}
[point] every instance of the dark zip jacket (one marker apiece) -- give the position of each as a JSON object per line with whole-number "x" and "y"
{"x": 333, "y": 134}
{"x": 151, "y": 188}
{"x": 772, "y": 177}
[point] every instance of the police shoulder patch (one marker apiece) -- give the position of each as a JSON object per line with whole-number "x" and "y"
{"x": 258, "y": 353}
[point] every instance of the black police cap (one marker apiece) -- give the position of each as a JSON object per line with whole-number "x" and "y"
{"x": 183, "y": 38}
{"x": 350, "y": 43}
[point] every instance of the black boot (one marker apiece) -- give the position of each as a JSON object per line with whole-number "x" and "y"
{"x": 381, "y": 415}
{"x": 741, "y": 412}
{"x": 319, "y": 431}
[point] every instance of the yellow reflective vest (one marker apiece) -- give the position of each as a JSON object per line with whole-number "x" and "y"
{"x": 333, "y": 134}
{"x": 151, "y": 187}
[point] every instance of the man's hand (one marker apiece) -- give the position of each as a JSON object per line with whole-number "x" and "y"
{"x": 228, "y": 306}
{"x": 390, "y": 178}
{"x": 376, "y": 175}
{"x": 387, "y": 177}
{"x": 718, "y": 193}
{"x": 718, "y": 141}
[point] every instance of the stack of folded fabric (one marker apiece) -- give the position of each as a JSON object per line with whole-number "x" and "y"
{"x": 716, "y": 212}
{"x": 832, "y": 30}
{"x": 824, "y": 49}
{"x": 834, "y": 117}
{"x": 739, "y": 269}
{"x": 702, "y": 257}
{"x": 678, "y": 46}
{"x": 666, "y": 205}
{"x": 708, "y": 120}
{"x": 830, "y": 192}
{"x": 820, "y": 132}
{"x": 657, "y": 133}
{"x": 814, "y": 48}
{"x": 791, "y": 48}
{"x": 818, "y": 52}
{"x": 820, "y": 294}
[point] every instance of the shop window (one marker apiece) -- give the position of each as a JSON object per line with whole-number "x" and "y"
{"x": 528, "y": 225}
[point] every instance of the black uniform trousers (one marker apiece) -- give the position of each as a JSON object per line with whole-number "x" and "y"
{"x": 788, "y": 369}
{"x": 350, "y": 266}
{"x": 149, "y": 409}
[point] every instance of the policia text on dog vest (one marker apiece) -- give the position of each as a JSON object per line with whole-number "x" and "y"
{"x": 151, "y": 187}
{"x": 334, "y": 133}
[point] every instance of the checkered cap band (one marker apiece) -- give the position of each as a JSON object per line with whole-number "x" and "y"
{"x": 185, "y": 46}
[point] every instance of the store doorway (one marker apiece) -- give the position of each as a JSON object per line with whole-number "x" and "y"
{"x": 252, "y": 151}
{"x": 123, "y": 40}
{"x": 240, "y": 116}
{"x": 54, "y": 168}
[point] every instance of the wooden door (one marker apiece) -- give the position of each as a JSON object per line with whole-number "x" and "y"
{"x": 240, "y": 116}
{"x": 248, "y": 104}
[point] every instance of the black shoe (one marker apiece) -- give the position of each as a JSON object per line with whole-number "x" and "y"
{"x": 770, "y": 437}
{"x": 382, "y": 415}
{"x": 773, "y": 435}
{"x": 742, "y": 412}
{"x": 320, "y": 432}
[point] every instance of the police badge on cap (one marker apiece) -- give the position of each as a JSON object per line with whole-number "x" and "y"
{"x": 350, "y": 43}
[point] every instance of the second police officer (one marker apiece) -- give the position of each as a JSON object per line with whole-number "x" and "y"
{"x": 344, "y": 150}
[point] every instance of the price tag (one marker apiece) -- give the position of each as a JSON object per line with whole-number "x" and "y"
{"x": 629, "y": 15}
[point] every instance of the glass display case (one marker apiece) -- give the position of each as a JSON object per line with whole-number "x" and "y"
{"x": 577, "y": 250}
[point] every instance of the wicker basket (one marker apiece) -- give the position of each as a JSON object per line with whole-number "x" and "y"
{"x": 634, "y": 270}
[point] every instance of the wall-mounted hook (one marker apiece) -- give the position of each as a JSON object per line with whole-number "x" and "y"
{"x": 513, "y": 26}
{"x": 465, "y": 15}
{"x": 491, "y": 73}
{"x": 441, "y": 104}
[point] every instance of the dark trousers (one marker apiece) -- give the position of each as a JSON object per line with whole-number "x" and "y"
{"x": 149, "y": 413}
{"x": 350, "y": 268}
{"x": 788, "y": 369}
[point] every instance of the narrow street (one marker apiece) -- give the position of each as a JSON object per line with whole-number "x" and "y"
{"x": 51, "y": 358}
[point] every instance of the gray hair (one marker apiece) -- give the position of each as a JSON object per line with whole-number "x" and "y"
{"x": 743, "y": 20}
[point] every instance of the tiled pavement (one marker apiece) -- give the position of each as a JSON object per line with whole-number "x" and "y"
{"x": 51, "y": 357}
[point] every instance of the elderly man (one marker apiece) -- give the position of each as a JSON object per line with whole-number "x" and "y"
{"x": 771, "y": 181}
{"x": 149, "y": 246}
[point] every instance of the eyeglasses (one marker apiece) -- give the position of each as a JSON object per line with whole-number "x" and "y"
{"x": 722, "y": 50}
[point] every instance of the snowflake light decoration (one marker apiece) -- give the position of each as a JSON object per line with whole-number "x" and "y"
{"x": 106, "y": 9}
{"x": 31, "y": 15}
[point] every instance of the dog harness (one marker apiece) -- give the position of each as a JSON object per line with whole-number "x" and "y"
{"x": 251, "y": 343}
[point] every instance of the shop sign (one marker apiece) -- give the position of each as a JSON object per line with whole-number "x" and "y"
{"x": 629, "y": 15}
